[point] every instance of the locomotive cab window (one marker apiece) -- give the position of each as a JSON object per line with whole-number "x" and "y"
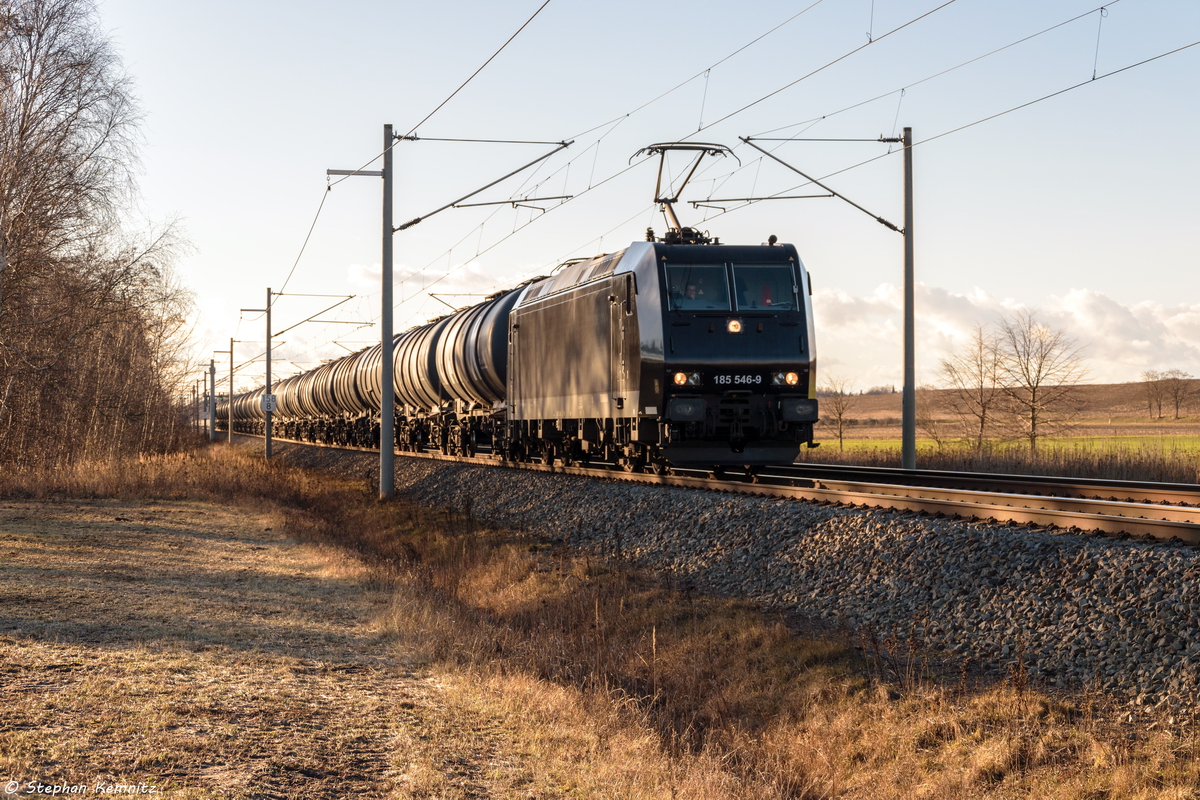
{"x": 770, "y": 287}
{"x": 698, "y": 287}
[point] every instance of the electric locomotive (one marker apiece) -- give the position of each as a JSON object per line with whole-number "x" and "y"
{"x": 676, "y": 351}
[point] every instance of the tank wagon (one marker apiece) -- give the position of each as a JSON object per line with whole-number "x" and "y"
{"x": 680, "y": 351}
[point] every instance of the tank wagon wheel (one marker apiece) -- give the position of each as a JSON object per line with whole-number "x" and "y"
{"x": 460, "y": 442}
{"x": 569, "y": 453}
{"x": 509, "y": 449}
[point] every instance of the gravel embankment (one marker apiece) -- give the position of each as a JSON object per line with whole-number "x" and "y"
{"x": 1125, "y": 615}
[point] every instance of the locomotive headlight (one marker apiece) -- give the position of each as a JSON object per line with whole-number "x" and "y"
{"x": 681, "y": 379}
{"x": 686, "y": 378}
{"x": 785, "y": 379}
{"x": 734, "y": 326}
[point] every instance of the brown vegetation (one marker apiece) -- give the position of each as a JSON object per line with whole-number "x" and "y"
{"x": 91, "y": 323}
{"x": 557, "y": 673}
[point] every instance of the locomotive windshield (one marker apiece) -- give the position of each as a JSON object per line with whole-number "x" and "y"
{"x": 698, "y": 287}
{"x": 764, "y": 286}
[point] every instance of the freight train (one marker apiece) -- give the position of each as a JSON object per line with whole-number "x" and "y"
{"x": 674, "y": 351}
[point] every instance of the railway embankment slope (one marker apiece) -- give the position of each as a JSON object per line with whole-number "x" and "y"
{"x": 1068, "y": 610}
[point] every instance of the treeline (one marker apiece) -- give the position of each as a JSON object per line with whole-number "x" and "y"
{"x": 1171, "y": 388}
{"x": 92, "y": 325}
{"x": 1014, "y": 381}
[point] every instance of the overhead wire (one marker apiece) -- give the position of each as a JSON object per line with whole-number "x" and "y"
{"x": 680, "y": 85}
{"x": 813, "y": 121}
{"x": 307, "y": 237}
{"x": 442, "y": 104}
{"x": 481, "y": 68}
{"x": 824, "y": 67}
{"x": 988, "y": 118}
{"x": 946, "y": 71}
{"x": 614, "y": 123}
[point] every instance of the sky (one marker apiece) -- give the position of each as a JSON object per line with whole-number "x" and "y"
{"x": 1083, "y": 206}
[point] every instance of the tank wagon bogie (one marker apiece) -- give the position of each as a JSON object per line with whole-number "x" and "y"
{"x": 695, "y": 355}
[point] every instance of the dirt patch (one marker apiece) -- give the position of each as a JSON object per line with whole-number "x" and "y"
{"x": 198, "y": 650}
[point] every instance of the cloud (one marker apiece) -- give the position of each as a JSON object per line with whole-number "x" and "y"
{"x": 860, "y": 338}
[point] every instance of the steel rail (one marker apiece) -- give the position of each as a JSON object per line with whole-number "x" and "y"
{"x": 1095, "y": 488}
{"x": 1104, "y": 516}
{"x": 1076, "y": 505}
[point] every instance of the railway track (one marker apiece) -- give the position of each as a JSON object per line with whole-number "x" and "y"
{"x": 1167, "y": 512}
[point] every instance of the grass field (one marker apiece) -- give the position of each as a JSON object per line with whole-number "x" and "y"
{"x": 1110, "y": 436}
{"x": 1167, "y": 445}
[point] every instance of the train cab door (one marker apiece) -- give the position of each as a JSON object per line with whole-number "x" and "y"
{"x": 620, "y": 315}
{"x": 515, "y": 364}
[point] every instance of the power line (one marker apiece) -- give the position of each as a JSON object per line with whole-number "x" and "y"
{"x": 987, "y": 118}
{"x": 940, "y": 74}
{"x": 476, "y": 72}
{"x": 901, "y": 90}
{"x": 842, "y": 57}
{"x": 452, "y": 94}
{"x": 702, "y": 72}
{"x": 308, "y": 236}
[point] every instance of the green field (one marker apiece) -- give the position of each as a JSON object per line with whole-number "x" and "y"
{"x": 1164, "y": 444}
{"x": 1167, "y": 458}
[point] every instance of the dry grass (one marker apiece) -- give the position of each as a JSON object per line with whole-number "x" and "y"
{"x": 190, "y": 647}
{"x": 556, "y": 674}
{"x": 742, "y": 707}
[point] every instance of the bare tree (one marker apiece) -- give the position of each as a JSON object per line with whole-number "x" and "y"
{"x": 1153, "y": 390}
{"x": 67, "y": 136}
{"x": 1175, "y": 388}
{"x": 929, "y": 403}
{"x": 837, "y": 403}
{"x": 90, "y": 320}
{"x": 1040, "y": 369}
{"x": 973, "y": 377}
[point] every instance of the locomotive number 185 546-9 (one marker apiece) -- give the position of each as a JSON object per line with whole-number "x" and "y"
{"x": 737, "y": 380}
